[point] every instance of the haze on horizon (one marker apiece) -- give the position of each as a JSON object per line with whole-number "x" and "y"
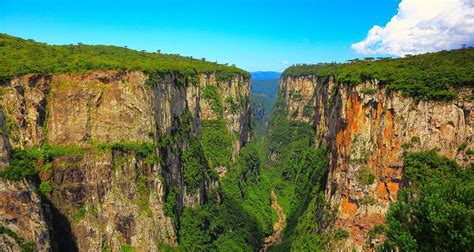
{"x": 254, "y": 35}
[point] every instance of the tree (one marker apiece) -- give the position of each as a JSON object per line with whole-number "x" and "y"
{"x": 435, "y": 212}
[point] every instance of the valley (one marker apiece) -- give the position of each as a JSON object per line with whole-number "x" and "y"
{"x": 104, "y": 148}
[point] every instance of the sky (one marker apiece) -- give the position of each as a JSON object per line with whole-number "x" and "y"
{"x": 258, "y": 35}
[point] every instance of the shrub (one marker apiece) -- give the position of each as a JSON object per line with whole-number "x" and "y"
{"x": 217, "y": 142}
{"x": 171, "y": 202}
{"x": 366, "y": 176}
{"x": 369, "y": 91}
{"x": 79, "y": 214}
{"x": 21, "y": 166}
{"x": 415, "y": 140}
{"x": 378, "y": 229}
{"x": 462, "y": 146}
{"x": 194, "y": 165}
{"x": 341, "y": 234}
{"x": 126, "y": 248}
{"x": 45, "y": 188}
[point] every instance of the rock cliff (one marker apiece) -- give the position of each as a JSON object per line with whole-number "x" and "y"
{"x": 368, "y": 129}
{"x": 22, "y": 219}
{"x": 112, "y": 175}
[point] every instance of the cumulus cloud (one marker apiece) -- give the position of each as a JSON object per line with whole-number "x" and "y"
{"x": 422, "y": 26}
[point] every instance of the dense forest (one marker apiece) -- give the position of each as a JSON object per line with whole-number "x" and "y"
{"x": 431, "y": 76}
{"x": 20, "y": 56}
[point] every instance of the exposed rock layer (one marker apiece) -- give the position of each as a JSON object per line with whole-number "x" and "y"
{"x": 107, "y": 199}
{"x": 367, "y": 133}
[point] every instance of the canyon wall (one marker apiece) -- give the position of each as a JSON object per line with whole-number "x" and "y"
{"x": 113, "y": 173}
{"x": 368, "y": 129}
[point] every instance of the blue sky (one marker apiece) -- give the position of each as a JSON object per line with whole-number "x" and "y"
{"x": 254, "y": 35}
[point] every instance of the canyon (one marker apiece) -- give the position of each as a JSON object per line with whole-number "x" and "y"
{"x": 110, "y": 149}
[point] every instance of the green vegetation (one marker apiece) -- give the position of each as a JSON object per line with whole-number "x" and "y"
{"x": 24, "y": 246}
{"x": 20, "y": 56}
{"x": 143, "y": 150}
{"x": 297, "y": 171}
{"x": 435, "y": 212}
{"x": 45, "y": 188}
{"x": 126, "y": 248}
{"x": 212, "y": 96}
{"x": 378, "y": 229}
{"x": 369, "y": 91}
{"x": 341, "y": 234}
{"x": 27, "y": 163}
{"x": 171, "y": 202}
{"x": 240, "y": 220}
{"x": 195, "y": 168}
{"x": 21, "y": 166}
{"x": 415, "y": 140}
{"x": 79, "y": 214}
{"x": 24, "y": 163}
{"x": 143, "y": 194}
{"x": 462, "y": 147}
{"x": 366, "y": 176}
{"x": 217, "y": 142}
{"x": 431, "y": 76}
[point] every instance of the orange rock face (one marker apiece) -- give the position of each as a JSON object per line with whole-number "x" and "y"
{"x": 367, "y": 135}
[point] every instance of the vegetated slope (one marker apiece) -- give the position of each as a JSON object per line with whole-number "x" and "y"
{"x": 379, "y": 134}
{"x": 427, "y": 76}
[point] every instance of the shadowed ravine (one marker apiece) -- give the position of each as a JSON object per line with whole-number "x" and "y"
{"x": 275, "y": 237}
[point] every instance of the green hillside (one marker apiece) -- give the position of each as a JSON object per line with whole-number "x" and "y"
{"x": 20, "y": 56}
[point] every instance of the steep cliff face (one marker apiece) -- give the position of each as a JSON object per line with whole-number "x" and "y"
{"x": 116, "y": 178}
{"x": 367, "y": 130}
{"x": 22, "y": 219}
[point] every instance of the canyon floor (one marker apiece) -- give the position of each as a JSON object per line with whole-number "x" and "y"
{"x": 276, "y": 236}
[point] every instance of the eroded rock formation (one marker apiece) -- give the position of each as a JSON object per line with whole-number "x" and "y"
{"x": 103, "y": 197}
{"x": 367, "y": 130}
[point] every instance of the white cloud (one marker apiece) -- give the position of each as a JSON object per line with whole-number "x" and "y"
{"x": 422, "y": 26}
{"x": 285, "y": 62}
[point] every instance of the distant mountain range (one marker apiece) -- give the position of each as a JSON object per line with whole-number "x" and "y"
{"x": 265, "y": 83}
{"x": 265, "y": 75}
{"x": 264, "y": 89}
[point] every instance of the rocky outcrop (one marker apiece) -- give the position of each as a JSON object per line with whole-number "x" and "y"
{"x": 22, "y": 220}
{"x": 367, "y": 130}
{"x": 118, "y": 180}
